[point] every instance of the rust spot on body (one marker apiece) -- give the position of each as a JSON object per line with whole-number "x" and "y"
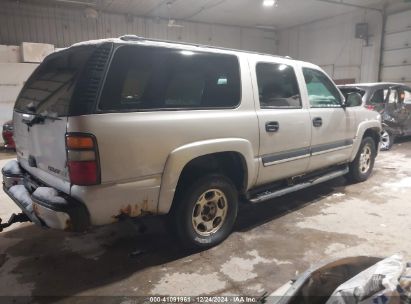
{"x": 133, "y": 210}
{"x": 35, "y": 209}
{"x": 68, "y": 226}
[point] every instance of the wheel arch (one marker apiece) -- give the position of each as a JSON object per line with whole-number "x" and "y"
{"x": 375, "y": 134}
{"x": 233, "y": 157}
{"x": 367, "y": 128}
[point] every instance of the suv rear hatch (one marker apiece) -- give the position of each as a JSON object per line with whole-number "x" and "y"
{"x": 65, "y": 84}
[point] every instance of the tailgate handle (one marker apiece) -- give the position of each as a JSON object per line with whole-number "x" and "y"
{"x": 272, "y": 126}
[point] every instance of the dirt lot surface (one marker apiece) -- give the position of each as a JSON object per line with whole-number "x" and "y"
{"x": 272, "y": 243}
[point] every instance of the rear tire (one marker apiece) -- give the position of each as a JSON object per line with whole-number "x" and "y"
{"x": 363, "y": 164}
{"x": 206, "y": 213}
{"x": 387, "y": 140}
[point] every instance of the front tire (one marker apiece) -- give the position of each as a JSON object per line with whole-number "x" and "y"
{"x": 363, "y": 164}
{"x": 206, "y": 213}
{"x": 387, "y": 140}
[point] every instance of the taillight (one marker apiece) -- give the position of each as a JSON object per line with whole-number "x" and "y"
{"x": 370, "y": 107}
{"x": 82, "y": 159}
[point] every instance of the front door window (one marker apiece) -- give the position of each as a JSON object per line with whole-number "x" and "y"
{"x": 322, "y": 93}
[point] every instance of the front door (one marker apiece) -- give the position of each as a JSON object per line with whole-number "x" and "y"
{"x": 284, "y": 123}
{"x": 395, "y": 113}
{"x": 333, "y": 127}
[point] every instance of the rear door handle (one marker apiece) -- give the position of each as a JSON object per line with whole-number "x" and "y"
{"x": 317, "y": 122}
{"x": 272, "y": 126}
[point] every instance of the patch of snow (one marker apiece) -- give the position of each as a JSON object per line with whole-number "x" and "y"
{"x": 52, "y": 219}
{"x": 12, "y": 167}
{"x": 256, "y": 287}
{"x": 188, "y": 284}
{"x": 49, "y": 194}
{"x": 338, "y": 194}
{"x": 22, "y": 195}
{"x": 241, "y": 269}
{"x": 399, "y": 185}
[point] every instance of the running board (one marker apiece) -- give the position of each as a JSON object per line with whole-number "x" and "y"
{"x": 267, "y": 195}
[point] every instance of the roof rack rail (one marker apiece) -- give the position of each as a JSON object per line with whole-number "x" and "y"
{"x": 132, "y": 37}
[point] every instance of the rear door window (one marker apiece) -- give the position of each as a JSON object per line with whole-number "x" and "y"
{"x": 151, "y": 78}
{"x": 277, "y": 86}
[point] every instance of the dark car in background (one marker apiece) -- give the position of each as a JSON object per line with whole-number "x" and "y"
{"x": 393, "y": 101}
{"x": 8, "y": 135}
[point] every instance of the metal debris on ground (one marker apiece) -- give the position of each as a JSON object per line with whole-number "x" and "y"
{"x": 388, "y": 282}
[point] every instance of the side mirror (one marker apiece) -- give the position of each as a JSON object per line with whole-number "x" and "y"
{"x": 353, "y": 100}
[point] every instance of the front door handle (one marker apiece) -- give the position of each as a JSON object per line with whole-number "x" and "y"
{"x": 272, "y": 126}
{"x": 317, "y": 122}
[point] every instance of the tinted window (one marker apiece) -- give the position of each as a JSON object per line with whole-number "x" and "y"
{"x": 321, "y": 91}
{"x": 378, "y": 97}
{"x": 50, "y": 88}
{"x": 277, "y": 86}
{"x": 144, "y": 78}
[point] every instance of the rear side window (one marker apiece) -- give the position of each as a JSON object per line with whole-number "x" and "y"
{"x": 150, "y": 78}
{"x": 277, "y": 86}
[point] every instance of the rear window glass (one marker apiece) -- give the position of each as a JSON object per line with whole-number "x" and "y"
{"x": 144, "y": 78}
{"x": 50, "y": 88}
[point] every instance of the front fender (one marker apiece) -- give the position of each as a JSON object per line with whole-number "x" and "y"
{"x": 362, "y": 128}
{"x": 181, "y": 156}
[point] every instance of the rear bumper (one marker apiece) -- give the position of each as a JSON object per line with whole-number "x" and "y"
{"x": 58, "y": 211}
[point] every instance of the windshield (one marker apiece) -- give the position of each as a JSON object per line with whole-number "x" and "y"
{"x": 50, "y": 88}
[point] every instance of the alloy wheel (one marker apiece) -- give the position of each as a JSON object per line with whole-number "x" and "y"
{"x": 385, "y": 140}
{"x": 365, "y": 159}
{"x": 209, "y": 212}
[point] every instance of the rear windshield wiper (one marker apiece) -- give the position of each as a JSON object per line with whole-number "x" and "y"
{"x": 37, "y": 119}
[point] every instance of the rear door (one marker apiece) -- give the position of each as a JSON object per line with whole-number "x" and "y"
{"x": 333, "y": 127}
{"x": 40, "y": 115}
{"x": 284, "y": 123}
